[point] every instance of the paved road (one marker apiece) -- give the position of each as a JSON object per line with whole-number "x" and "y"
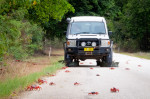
{"x": 132, "y": 84}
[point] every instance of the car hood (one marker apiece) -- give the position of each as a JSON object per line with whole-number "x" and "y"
{"x": 98, "y": 36}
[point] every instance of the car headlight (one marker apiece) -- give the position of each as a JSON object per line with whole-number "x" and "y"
{"x": 93, "y": 44}
{"x": 83, "y": 44}
{"x": 105, "y": 43}
{"x": 71, "y": 43}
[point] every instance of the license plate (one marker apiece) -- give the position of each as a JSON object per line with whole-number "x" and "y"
{"x": 88, "y": 49}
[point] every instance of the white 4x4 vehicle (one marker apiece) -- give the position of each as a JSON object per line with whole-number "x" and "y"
{"x": 87, "y": 37}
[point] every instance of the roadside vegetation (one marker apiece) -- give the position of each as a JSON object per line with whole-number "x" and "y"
{"x": 131, "y": 25}
{"x": 24, "y": 25}
{"x": 18, "y": 84}
{"x": 18, "y": 75}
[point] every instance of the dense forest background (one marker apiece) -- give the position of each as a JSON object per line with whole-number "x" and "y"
{"x": 25, "y": 24}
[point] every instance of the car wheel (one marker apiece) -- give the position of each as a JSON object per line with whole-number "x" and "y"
{"x": 76, "y": 62}
{"x": 65, "y": 52}
{"x": 98, "y": 63}
{"x": 68, "y": 60}
{"x": 109, "y": 59}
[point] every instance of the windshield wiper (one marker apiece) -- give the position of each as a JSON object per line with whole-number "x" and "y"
{"x": 99, "y": 33}
{"x": 82, "y": 33}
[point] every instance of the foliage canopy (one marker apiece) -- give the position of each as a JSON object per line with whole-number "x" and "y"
{"x": 24, "y": 23}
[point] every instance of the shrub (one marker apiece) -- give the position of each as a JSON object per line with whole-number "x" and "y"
{"x": 19, "y": 14}
{"x": 19, "y": 38}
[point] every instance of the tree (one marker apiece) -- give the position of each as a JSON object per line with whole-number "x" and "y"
{"x": 49, "y": 9}
{"x": 132, "y": 25}
{"x": 49, "y": 13}
{"x": 105, "y": 8}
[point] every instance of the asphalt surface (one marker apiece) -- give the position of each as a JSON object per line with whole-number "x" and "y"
{"x": 132, "y": 78}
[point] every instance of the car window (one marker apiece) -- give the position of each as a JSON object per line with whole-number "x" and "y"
{"x": 87, "y": 28}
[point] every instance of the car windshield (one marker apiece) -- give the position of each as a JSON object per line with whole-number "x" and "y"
{"x": 87, "y": 28}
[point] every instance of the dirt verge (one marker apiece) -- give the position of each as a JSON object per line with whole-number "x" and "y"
{"x": 19, "y": 68}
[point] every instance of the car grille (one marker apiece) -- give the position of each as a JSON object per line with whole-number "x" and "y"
{"x": 88, "y": 42}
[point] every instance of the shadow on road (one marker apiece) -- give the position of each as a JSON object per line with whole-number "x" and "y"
{"x": 90, "y": 64}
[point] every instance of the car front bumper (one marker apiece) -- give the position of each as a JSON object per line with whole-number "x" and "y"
{"x": 80, "y": 51}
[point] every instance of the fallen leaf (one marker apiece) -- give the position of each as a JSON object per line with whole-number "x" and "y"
{"x": 14, "y": 94}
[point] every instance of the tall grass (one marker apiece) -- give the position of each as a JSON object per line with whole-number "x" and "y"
{"x": 17, "y": 84}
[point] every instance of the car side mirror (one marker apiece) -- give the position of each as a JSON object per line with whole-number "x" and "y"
{"x": 68, "y": 20}
{"x": 110, "y": 32}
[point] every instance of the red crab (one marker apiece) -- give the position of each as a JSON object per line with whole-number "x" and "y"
{"x": 34, "y": 64}
{"x": 18, "y": 60}
{"x": 30, "y": 88}
{"x": 114, "y": 89}
{"x": 76, "y": 83}
{"x": 52, "y": 75}
{"x": 41, "y": 81}
{"x": 93, "y": 93}
{"x": 67, "y": 71}
{"x": 81, "y": 63}
{"x": 112, "y": 68}
{"x": 139, "y": 66}
{"x": 33, "y": 87}
{"x": 127, "y": 68}
{"x": 51, "y": 83}
{"x": 64, "y": 67}
{"x": 91, "y": 68}
{"x": 37, "y": 87}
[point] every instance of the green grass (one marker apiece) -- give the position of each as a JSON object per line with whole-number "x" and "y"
{"x": 145, "y": 55}
{"x": 17, "y": 84}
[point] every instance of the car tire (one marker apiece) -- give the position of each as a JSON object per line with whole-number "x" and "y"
{"x": 102, "y": 64}
{"x": 98, "y": 63}
{"x": 67, "y": 59}
{"x": 77, "y": 63}
{"x": 109, "y": 59}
